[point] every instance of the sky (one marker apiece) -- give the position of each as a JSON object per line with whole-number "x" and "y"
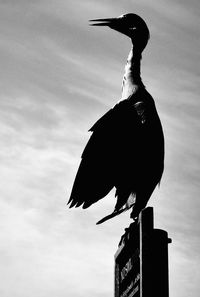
{"x": 58, "y": 76}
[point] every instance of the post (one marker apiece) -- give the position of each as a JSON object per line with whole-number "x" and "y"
{"x": 146, "y": 223}
{"x": 141, "y": 261}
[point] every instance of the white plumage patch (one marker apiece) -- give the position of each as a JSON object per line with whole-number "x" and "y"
{"x": 131, "y": 201}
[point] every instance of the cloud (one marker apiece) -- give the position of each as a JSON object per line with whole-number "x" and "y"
{"x": 58, "y": 77}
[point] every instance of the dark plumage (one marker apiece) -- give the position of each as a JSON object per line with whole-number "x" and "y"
{"x": 126, "y": 148}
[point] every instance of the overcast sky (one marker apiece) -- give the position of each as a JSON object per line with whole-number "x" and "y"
{"x": 58, "y": 76}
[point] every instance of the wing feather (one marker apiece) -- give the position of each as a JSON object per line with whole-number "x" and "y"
{"x": 98, "y": 169}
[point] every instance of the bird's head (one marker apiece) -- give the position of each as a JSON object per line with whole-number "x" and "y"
{"x": 129, "y": 24}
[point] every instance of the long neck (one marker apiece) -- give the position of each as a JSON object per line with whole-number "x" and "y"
{"x": 132, "y": 80}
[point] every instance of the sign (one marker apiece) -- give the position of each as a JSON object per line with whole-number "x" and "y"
{"x": 127, "y": 268}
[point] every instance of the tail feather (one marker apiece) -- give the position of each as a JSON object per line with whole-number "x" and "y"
{"x": 130, "y": 203}
{"x": 110, "y": 216}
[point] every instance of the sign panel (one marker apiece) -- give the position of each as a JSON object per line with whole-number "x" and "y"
{"x": 127, "y": 269}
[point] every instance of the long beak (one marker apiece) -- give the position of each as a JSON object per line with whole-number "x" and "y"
{"x": 104, "y": 22}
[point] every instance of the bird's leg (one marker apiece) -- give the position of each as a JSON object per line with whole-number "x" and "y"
{"x": 136, "y": 209}
{"x": 133, "y": 216}
{"x": 140, "y": 204}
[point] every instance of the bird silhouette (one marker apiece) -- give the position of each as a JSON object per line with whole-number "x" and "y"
{"x": 126, "y": 148}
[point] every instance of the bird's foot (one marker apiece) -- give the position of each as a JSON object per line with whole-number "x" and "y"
{"x": 134, "y": 216}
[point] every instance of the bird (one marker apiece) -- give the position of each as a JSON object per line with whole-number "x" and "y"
{"x": 126, "y": 148}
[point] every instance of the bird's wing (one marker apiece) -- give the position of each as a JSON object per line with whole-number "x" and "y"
{"x": 120, "y": 153}
{"x": 96, "y": 175}
{"x": 140, "y": 164}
